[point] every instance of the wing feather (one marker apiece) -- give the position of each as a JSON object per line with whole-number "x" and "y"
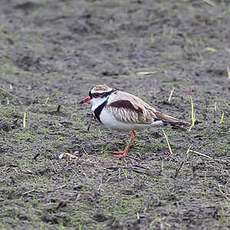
{"x": 128, "y": 108}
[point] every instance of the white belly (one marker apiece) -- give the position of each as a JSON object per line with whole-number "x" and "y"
{"x": 109, "y": 121}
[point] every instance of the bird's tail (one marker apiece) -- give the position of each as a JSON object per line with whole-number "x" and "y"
{"x": 176, "y": 123}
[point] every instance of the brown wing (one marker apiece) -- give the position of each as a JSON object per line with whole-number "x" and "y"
{"x": 130, "y": 109}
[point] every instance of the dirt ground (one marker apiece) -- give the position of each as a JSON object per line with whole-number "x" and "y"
{"x": 52, "y": 52}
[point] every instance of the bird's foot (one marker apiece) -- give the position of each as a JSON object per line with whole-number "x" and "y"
{"x": 120, "y": 153}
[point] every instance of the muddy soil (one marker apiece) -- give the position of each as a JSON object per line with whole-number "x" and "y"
{"x": 52, "y": 52}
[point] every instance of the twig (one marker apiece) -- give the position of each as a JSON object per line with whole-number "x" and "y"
{"x": 143, "y": 170}
{"x": 61, "y": 187}
{"x": 217, "y": 160}
{"x": 58, "y": 108}
{"x": 83, "y": 148}
{"x": 36, "y": 156}
{"x": 25, "y": 193}
{"x": 90, "y": 122}
{"x": 209, "y": 2}
{"x": 226, "y": 196}
{"x": 182, "y": 163}
{"x": 61, "y": 204}
{"x": 201, "y": 154}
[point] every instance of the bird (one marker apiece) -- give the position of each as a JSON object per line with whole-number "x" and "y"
{"x": 123, "y": 111}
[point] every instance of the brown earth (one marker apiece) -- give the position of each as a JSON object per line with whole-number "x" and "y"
{"x": 52, "y": 52}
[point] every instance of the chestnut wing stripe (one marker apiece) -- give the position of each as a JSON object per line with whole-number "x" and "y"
{"x": 125, "y": 104}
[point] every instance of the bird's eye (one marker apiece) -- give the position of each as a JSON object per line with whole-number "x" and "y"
{"x": 95, "y": 95}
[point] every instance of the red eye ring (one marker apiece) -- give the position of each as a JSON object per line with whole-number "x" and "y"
{"x": 95, "y": 95}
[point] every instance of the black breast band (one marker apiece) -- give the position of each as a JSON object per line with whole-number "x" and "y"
{"x": 98, "y": 110}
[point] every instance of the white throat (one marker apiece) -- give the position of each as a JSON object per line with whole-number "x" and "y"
{"x": 97, "y": 102}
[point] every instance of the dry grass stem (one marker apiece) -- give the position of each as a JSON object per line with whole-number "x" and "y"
{"x": 24, "y": 119}
{"x": 221, "y": 119}
{"x": 169, "y": 146}
{"x": 170, "y": 95}
{"x": 145, "y": 73}
{"x": 201, "y": 154}
{"x": 228, "y": 71}
{"x": 193, "y": 117}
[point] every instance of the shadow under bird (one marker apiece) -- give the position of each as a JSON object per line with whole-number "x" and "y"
{"x": 123, "y": 111}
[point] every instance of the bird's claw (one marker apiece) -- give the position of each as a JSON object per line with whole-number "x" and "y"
{"x": 120, "y": 153}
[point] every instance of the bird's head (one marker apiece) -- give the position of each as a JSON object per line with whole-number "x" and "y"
{"x": 98, "y": 95}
